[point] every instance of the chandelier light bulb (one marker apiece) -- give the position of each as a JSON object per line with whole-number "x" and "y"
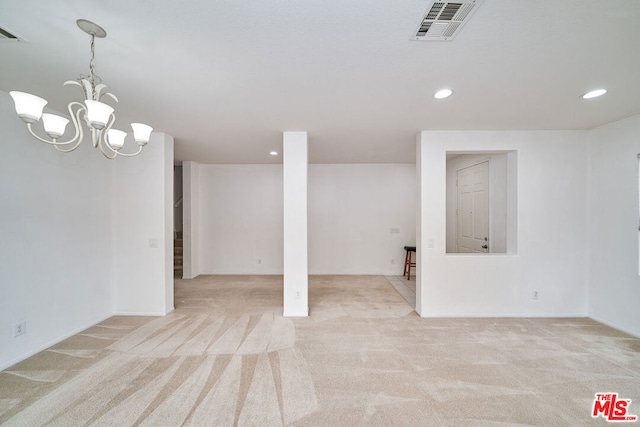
{"x": 54, "y": 125}
{"x": 29, "y": 107}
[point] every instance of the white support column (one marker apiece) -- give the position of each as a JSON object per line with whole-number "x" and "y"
{"x": 420, "y": 209}
{"x": 191, "y": 219}
{"x": 296, "y": 274}
{"x": 142, "y": 206}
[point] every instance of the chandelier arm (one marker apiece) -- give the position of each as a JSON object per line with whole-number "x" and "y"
{"x": 104, "y": 153}
{"x": 101, "y": 140}
{"x": 75, "y": 118}
{"x": 102, "y": 137}
{"x": 39, "y": 138}
{"x": 130, "y": 154}
{"x": 99, "y": 136}
{"x": 68, "y": 150}
{"x": 30, "y": 128}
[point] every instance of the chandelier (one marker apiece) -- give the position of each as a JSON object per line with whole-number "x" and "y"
{"x": 97, "y": 116}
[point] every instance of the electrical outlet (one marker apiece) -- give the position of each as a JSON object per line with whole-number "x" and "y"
{"x": 535, "y": 295}
{"x": 393, "y": 261}
{"x": 259, "y": 261}
{"x": 297, "y": 294}
{"x": 20, "y": 328}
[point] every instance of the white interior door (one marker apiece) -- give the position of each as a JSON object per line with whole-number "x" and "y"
{"x": 473, "y": 209}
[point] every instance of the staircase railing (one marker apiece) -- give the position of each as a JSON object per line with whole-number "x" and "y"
{"x": 178, "y": 203}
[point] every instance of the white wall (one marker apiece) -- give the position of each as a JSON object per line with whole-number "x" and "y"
{"x": 551, "y": 227}
{"x": 352, "y": 211}
{"x": 614, "y": 284}
{"x": 56, "y": 251}
{"x": 143, "y": 230}
{"x": 241, "y": 219}
{"x": 497, "y": 198}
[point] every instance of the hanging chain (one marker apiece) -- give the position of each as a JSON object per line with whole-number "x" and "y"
{"x": 92, "y": 68}
{"x": 93, "y": 78}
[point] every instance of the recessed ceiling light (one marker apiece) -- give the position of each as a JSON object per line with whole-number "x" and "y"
{"x": 443, "y": 93}
{"x": 273, "y": 153}
{"x": 594, "y": 93}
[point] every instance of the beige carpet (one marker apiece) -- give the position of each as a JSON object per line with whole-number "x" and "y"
{"x": 226, "y": 356}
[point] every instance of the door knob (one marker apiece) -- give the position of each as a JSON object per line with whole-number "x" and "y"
{"x": 485, "y": 247}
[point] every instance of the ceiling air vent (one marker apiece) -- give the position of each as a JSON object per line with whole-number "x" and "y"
{"x": 8, "y": 36}
{"x": 444, "y": 20}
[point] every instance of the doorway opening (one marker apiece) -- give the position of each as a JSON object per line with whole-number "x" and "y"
{"x": 481, "y": 202}
{"x": 178, "y": 247}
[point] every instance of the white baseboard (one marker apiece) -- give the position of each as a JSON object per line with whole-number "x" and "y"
{"x": 141, "y": 313}
{"x": 506, "y": 315}
{"x": 615, "y": 326}
{"x": 54, "y": 342}
{"x": 295, "y": 314}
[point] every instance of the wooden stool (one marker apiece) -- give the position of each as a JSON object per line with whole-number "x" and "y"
{"x": 408, "y": 262}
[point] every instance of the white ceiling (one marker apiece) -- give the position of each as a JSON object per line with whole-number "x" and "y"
{"x": 226, "y": 77}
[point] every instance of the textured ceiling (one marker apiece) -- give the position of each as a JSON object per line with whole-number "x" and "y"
{"x": 225, "y": 78}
